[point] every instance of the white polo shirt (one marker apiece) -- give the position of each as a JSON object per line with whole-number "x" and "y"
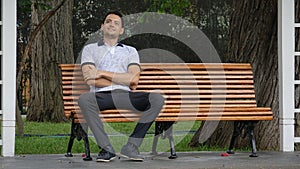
{"x": 112, "y": 59}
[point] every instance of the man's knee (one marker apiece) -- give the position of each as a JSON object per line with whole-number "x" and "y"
{"x": 86, "y": 99}
{"x": 157, "y": 100}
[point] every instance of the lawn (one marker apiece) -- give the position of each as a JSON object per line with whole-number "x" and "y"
{"x": 52, "y": 138}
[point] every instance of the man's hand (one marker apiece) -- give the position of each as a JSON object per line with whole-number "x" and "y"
{"x": 89, "y": 72}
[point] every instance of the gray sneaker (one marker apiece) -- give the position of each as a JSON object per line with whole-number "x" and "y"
{"x": 106, "y": 155}
{"x": 131, "y": 152}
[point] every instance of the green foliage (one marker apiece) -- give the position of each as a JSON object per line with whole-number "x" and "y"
{"x": 176, "y": 7}
{"x": 210, "y": 16}
{"x": 42, "y": 4}
{"x": 52, "y": 138}
{"x": 24, "y": 6}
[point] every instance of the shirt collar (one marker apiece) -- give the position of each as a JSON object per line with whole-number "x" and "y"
{"x": 101, "y": 43}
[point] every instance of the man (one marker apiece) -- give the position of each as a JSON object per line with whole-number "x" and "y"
{"x": 112, "y": 70}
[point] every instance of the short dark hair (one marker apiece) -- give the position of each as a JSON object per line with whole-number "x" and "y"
{"x": 115, "y": 13}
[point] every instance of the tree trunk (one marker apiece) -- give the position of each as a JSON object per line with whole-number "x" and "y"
{"x": 253, "y": 39}
{"x": 53, "y": 45}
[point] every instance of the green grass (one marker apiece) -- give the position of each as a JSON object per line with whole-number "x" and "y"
{"x": 52, "y": 138}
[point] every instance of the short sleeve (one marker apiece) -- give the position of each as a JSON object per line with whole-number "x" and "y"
{"x": 87, "y": 55}
{"x": 134, "y": 57}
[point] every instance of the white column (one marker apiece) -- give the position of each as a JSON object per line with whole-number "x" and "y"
{"x": 286, "y": 48}
{"x": 9, "y": 76}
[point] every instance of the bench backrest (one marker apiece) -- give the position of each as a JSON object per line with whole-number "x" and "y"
{"x": 194, "y": 91}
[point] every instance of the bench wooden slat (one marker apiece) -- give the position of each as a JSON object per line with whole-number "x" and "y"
{"x": 210, "y": 96}
{"x": 184, "y": 92}
{"x": 74, "y": 98}
{"x": 230, "y": 66}
{"x": 256, "y": 111}
{"x": 210, "y": 118}
{"x": 197, "y": 72}
{"x": 70, "y": 85}
{"x": 177, "y": 65}
{"x": 204, "y": 118}
{"x": 194, "y": 82}
{"x": 179, "y": 104}
{"x": 188, "y": 81}
{"x": 72, "y": 106}
{"x": 171, "y": 119}
{"x": 178, "y": 92}
{"x": 230, "y": 114}
{"x": 134, "y": 118}
{"x": 186, "y": 78}
{"x": 225, "y": 106}
{"x": 163, "y": 76}
{"x": 214, "y": 96}
{"x": 245, "y": 110}
{"x": 197, "y": 77}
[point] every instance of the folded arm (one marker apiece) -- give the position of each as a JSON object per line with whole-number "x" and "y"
{"x": 99, "y": 78}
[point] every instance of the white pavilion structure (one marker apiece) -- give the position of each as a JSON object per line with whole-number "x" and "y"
{"x": 286, "y": 56}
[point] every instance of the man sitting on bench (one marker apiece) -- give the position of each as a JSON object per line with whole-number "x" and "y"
{"x": 112, "y": 70}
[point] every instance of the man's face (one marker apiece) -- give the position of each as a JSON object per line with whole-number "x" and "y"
{"x": 112, "y": 26}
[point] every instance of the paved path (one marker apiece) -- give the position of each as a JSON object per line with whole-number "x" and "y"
{"x": 186, "y": 160}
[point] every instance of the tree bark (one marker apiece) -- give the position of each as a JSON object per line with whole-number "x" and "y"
{"x": 53, "y": 45}
{"x": 21, "y": 76}
{"x": 253, "y": 39}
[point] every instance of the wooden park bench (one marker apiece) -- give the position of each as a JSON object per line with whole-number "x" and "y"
{"x": 192, "y": 91}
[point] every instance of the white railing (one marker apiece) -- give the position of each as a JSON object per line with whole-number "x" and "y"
{"x": 8, "y": 94}
{"x": 296, "y": 53}
{"x": 286, "y": 69}
{"x": 1, "y": 72}
{"x": 287, "y": 81}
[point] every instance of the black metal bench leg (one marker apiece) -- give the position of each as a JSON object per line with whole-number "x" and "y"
{"x": 79, "y": 131}
{"x": 154, "y": 145}
{"x": 87, "y": 148}
{"x": 71, "y": 140}
{"x": 250, "y": 130}
{"x": 169, "y": 134}
{"x": 164, "y": 130}
{"x": 157, "y": 133}
{"x": 172, "y": 148}
{"x": 236, "y": 132}
{"x": 70, "y": 145}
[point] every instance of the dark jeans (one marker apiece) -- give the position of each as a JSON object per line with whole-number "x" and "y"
{"x": 148, "y": 104}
